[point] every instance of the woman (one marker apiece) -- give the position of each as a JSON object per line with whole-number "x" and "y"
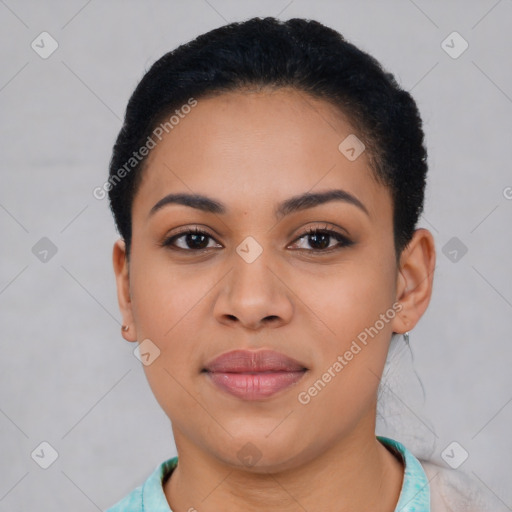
{"x": 266, "y": 184}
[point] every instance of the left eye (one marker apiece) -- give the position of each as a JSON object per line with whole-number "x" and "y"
{"x": 320, "y": 239}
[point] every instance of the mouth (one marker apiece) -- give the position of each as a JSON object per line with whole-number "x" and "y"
{"x": 253, "y": 375}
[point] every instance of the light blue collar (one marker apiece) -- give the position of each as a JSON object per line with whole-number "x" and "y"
{"x": 414, "y": 496}
{"x": 415, "y": 493}
{"x": 153, "y": 497}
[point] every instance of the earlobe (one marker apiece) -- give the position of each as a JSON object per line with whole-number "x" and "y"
{"x": 121, "y": 270}
{"x": 415, "y": 280}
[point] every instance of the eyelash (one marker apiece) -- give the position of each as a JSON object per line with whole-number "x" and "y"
{"x": 342, "y": 239}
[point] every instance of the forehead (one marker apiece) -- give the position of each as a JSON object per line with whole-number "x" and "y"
{"x": 258, "y": 148}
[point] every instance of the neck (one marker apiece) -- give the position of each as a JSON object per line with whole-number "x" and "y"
{"x": 358, "y": 473}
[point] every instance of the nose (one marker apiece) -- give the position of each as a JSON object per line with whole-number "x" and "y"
{"x": 254, "y": 295}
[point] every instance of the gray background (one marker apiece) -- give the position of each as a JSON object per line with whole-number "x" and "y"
{"x": 67, "y": 377}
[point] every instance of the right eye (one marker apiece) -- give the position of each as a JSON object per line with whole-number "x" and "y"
{"x": 194, "y": 240}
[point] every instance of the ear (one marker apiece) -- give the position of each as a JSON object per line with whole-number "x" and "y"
{"x": 121, "y": 271}
{"x": 415, "y": 280}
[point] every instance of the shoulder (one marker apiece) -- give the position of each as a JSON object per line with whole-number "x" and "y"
{"x": 150, "y": 495}
{"x": 455, "y": 491}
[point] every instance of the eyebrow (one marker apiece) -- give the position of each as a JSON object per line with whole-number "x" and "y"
{"x": 291, "y": 205}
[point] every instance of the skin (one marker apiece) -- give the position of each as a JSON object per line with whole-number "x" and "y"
{"x": 250, "y": 151}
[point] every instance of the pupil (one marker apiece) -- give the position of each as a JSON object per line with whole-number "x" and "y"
{"x": 194, "y": 238}
{"x": 324, "y": 243}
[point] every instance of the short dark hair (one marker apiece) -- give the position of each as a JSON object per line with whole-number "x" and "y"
{"x": 266, "y": 52}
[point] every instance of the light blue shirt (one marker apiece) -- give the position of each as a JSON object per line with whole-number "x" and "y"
{"x": 414, "y": 496}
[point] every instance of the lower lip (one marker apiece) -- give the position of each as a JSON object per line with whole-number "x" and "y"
{"x": 255, "y": 386}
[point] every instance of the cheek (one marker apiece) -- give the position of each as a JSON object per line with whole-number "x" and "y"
{"x": 352, "y": 297}
{"x": 356, "y": 308}
{"x": 164, "y": 295}
{"x": 166, "y": 302}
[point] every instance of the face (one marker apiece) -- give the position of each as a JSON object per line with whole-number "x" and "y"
{"x": 255, "y": 279}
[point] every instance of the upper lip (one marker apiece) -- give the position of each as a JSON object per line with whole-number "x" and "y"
{"x": 246, "y": 361}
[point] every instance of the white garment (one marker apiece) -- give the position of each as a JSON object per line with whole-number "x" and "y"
{"x": 401, "y": 395}
{"x": 454, "y": 491}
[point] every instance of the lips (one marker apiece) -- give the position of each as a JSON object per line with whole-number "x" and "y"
{"x": 246, "y": 361}
{"x": 254, "y": 375}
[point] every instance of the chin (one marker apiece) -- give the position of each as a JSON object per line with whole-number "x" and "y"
{"x": 261, "y": 453}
